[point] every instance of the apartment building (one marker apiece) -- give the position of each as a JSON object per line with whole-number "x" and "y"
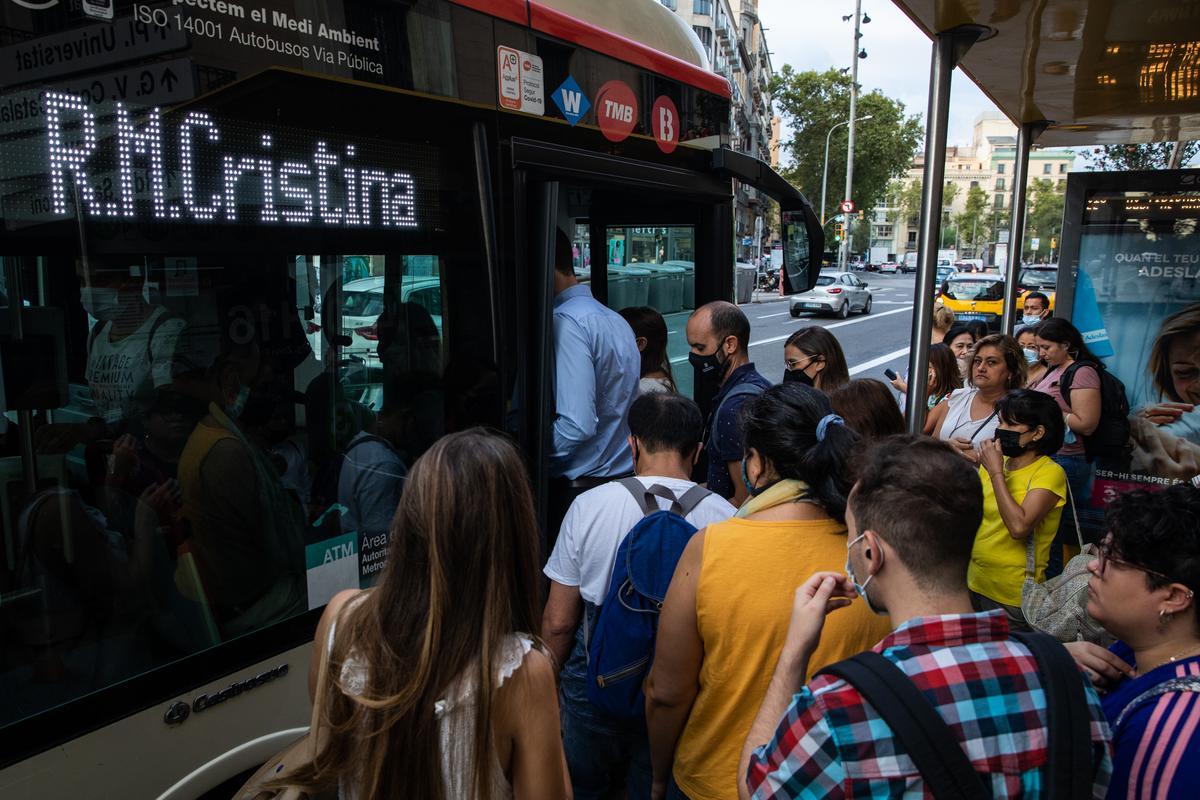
{"x": 986, "y": 163}
{"x": 735, "y": 41}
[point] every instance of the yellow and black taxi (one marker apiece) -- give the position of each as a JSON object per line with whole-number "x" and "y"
{"x": 1038, "y": 278}
{"x": 975, "y": 296}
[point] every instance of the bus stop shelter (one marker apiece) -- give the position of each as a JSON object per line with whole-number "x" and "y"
{"x": 1067, "y": 73}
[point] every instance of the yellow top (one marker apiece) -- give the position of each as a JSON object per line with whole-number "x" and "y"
{"x": 998, "y": 562}
{"x": 749, "y": 574}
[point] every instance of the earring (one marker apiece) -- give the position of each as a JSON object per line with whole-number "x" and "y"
{"x": 1164, "y": 616}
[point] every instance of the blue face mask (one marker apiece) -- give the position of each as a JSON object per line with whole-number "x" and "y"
{"x": 235, "y": 409}
{"x": 750, "y": 488}
{"x": 861, "y": 588}
{"x": 1029, "y": 321}
{"x": 1031, "y": 354}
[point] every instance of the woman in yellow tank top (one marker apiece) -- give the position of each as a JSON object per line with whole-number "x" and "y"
{"x": 726, "y": 614}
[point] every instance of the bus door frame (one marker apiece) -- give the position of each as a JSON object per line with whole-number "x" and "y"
{"x": 539, "y": 169}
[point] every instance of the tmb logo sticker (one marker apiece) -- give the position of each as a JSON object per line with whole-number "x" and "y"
{"x": 664, "y": 120}
{"x": 616, "y": 110}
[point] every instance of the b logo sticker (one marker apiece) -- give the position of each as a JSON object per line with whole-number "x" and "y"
{"x": 664, "y": 119}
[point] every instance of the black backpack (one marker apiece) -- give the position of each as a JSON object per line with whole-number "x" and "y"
{"x": 1110, "y": 440}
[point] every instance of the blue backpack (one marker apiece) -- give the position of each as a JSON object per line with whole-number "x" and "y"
{"x": 620, "y": 645}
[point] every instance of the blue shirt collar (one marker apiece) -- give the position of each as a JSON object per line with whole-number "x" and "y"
{"x": 579, "y": 290}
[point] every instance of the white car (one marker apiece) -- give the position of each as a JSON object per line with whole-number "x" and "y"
{"x": 363, "y": 302}
{"x": 837, "y": 293}
{"x": 890, "y": 267}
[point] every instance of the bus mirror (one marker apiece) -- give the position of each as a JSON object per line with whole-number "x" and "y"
{"x": 803, "y": 243}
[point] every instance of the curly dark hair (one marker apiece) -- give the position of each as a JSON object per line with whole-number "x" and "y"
{"x": 1159, "y": 531}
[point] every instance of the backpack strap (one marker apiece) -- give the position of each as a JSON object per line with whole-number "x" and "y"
{"x": 641, "y": 495}
{"x": 692, "y": 498}
{"x": 1188, "y": 683}
{"x": 922, "y": 732}
{"x": 744, "y": 389}
{"x": 1068, "y": 720}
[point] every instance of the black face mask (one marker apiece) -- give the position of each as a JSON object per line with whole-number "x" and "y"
{"x": 1010, "y": 443}
{"x": 712, "y": 369}
{"x": 797, "y": 375}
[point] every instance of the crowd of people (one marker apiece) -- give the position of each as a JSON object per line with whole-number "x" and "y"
{"x": 780, "y": 596}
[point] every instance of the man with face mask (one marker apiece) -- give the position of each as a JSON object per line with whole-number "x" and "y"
{"x": 1036, "y": 308}
{"x": 719, "y": 336}
{"x": 911, "y": 521}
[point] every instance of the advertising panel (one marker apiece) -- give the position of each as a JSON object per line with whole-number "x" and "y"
{"x": 1133, "y": 290}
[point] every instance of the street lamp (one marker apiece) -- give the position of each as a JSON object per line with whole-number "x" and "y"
{"x": 825, "y": 171}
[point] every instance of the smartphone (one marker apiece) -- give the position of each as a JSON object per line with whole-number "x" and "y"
{"x": 891, "y": 374}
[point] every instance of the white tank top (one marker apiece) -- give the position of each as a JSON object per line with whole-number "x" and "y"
{"x": 958, "y": 422}
{"x": 456, "y": 718}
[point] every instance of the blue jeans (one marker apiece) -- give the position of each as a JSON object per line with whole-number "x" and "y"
{"x": 1080, "y": 476}
{"x": 603, "y": 755}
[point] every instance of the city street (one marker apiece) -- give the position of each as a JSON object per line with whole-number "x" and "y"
{"x": 872, "y": 343}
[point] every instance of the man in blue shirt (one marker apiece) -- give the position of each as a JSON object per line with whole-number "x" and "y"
{"x": 719, "y": 335}
{"x": 596, "y": 370}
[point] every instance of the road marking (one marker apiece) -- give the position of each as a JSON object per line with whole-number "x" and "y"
{"x": 875, "y": 362}
{"x": 893, "y": 302}
{"x": 768, "y": 316}
{"x": 865, "y": 318}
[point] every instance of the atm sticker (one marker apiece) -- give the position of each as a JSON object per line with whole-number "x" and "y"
{"x": 332, "y": 565}
{"x": 521, "y": 84}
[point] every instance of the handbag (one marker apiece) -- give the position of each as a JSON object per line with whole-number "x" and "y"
{"x": 296, "y": 755}
{"x": 1058, "y": 606}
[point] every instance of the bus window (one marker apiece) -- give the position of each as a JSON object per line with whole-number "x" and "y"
{"x": 655, "y": 268}
{"x": 217, "y": 466}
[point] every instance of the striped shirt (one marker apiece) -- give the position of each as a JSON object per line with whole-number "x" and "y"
{"x": 1156, "y": 746}
{"x": 832, "y": 743}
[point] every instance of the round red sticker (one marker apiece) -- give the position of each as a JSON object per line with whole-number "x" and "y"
{"x": 664, "y": 119}
{"x": 616, "y": 110}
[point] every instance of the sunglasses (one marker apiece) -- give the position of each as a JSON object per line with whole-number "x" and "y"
{"x": 1104, "y": 554}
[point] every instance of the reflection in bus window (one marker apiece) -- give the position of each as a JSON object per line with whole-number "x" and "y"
{"x": 654, "y": 268}
{"x": 230, "y": 454}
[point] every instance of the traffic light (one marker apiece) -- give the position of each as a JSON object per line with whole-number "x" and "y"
{"x": 1053, "y": 242}
{"x": 862, "y": 215}
{"x": 841, "y": 231}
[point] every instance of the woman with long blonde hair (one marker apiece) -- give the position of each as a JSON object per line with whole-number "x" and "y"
{"x": 437, "y": 688}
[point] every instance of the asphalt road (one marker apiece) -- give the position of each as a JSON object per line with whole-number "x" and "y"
{"x": 871, "y": 342}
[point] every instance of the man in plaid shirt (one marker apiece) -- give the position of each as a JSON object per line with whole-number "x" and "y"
{"x": 912, "y": 518}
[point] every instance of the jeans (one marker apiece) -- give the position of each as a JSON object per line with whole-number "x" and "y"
{"x": 603, "y": 755}
{"x": 1080, "y": 476}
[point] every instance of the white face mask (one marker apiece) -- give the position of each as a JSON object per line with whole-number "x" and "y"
{"x": 1030, "y": 320}
{"x": 861, "y": 588}
{"x": 102, "y": 302}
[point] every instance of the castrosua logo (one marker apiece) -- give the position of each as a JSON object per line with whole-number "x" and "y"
{"x": 36, "y": 6}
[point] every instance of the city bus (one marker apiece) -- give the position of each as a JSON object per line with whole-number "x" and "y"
{"x": 234, "y": 238}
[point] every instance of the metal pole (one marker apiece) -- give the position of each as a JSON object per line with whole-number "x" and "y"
{"x": 1026, "y": 135}
{"x": 844, "y": 256}
{"x": 825, "y": 172}
{"x": 948, "y": 48}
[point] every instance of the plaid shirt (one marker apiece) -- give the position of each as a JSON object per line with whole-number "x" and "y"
{"x": 831, "y": 743}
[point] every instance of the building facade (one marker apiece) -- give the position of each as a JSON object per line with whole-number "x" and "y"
{"x": 987, "y": 163}
{"x": 736, "y": 43}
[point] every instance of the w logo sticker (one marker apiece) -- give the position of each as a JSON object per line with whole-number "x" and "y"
{"x": 571, "y": 101}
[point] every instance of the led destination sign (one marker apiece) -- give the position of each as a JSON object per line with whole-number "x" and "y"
{"x": 200, "y": 169}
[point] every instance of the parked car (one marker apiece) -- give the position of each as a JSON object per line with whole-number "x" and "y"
{"x": 837, "y": 293}
{"x": 363, "y": 302}
{"x": 889, "y": 268}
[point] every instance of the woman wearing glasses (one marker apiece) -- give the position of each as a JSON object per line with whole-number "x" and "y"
{"x": 813, "y": 357}
{"x": 1143, "y": 591}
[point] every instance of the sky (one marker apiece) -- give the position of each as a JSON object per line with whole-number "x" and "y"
{"x": 810, "y": 34}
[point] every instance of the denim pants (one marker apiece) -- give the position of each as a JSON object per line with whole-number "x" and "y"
{"x": 1080, "y": 476}
{"x": 604, "y": 755}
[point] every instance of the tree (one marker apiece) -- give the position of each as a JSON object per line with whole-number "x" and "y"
{"x": 813, "y": 103}
{"x": 1121, "y": 157}
{"x": 1044, "y": 218}
{"x": 906, "y": 202}
{"x": 974, "y": 221}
